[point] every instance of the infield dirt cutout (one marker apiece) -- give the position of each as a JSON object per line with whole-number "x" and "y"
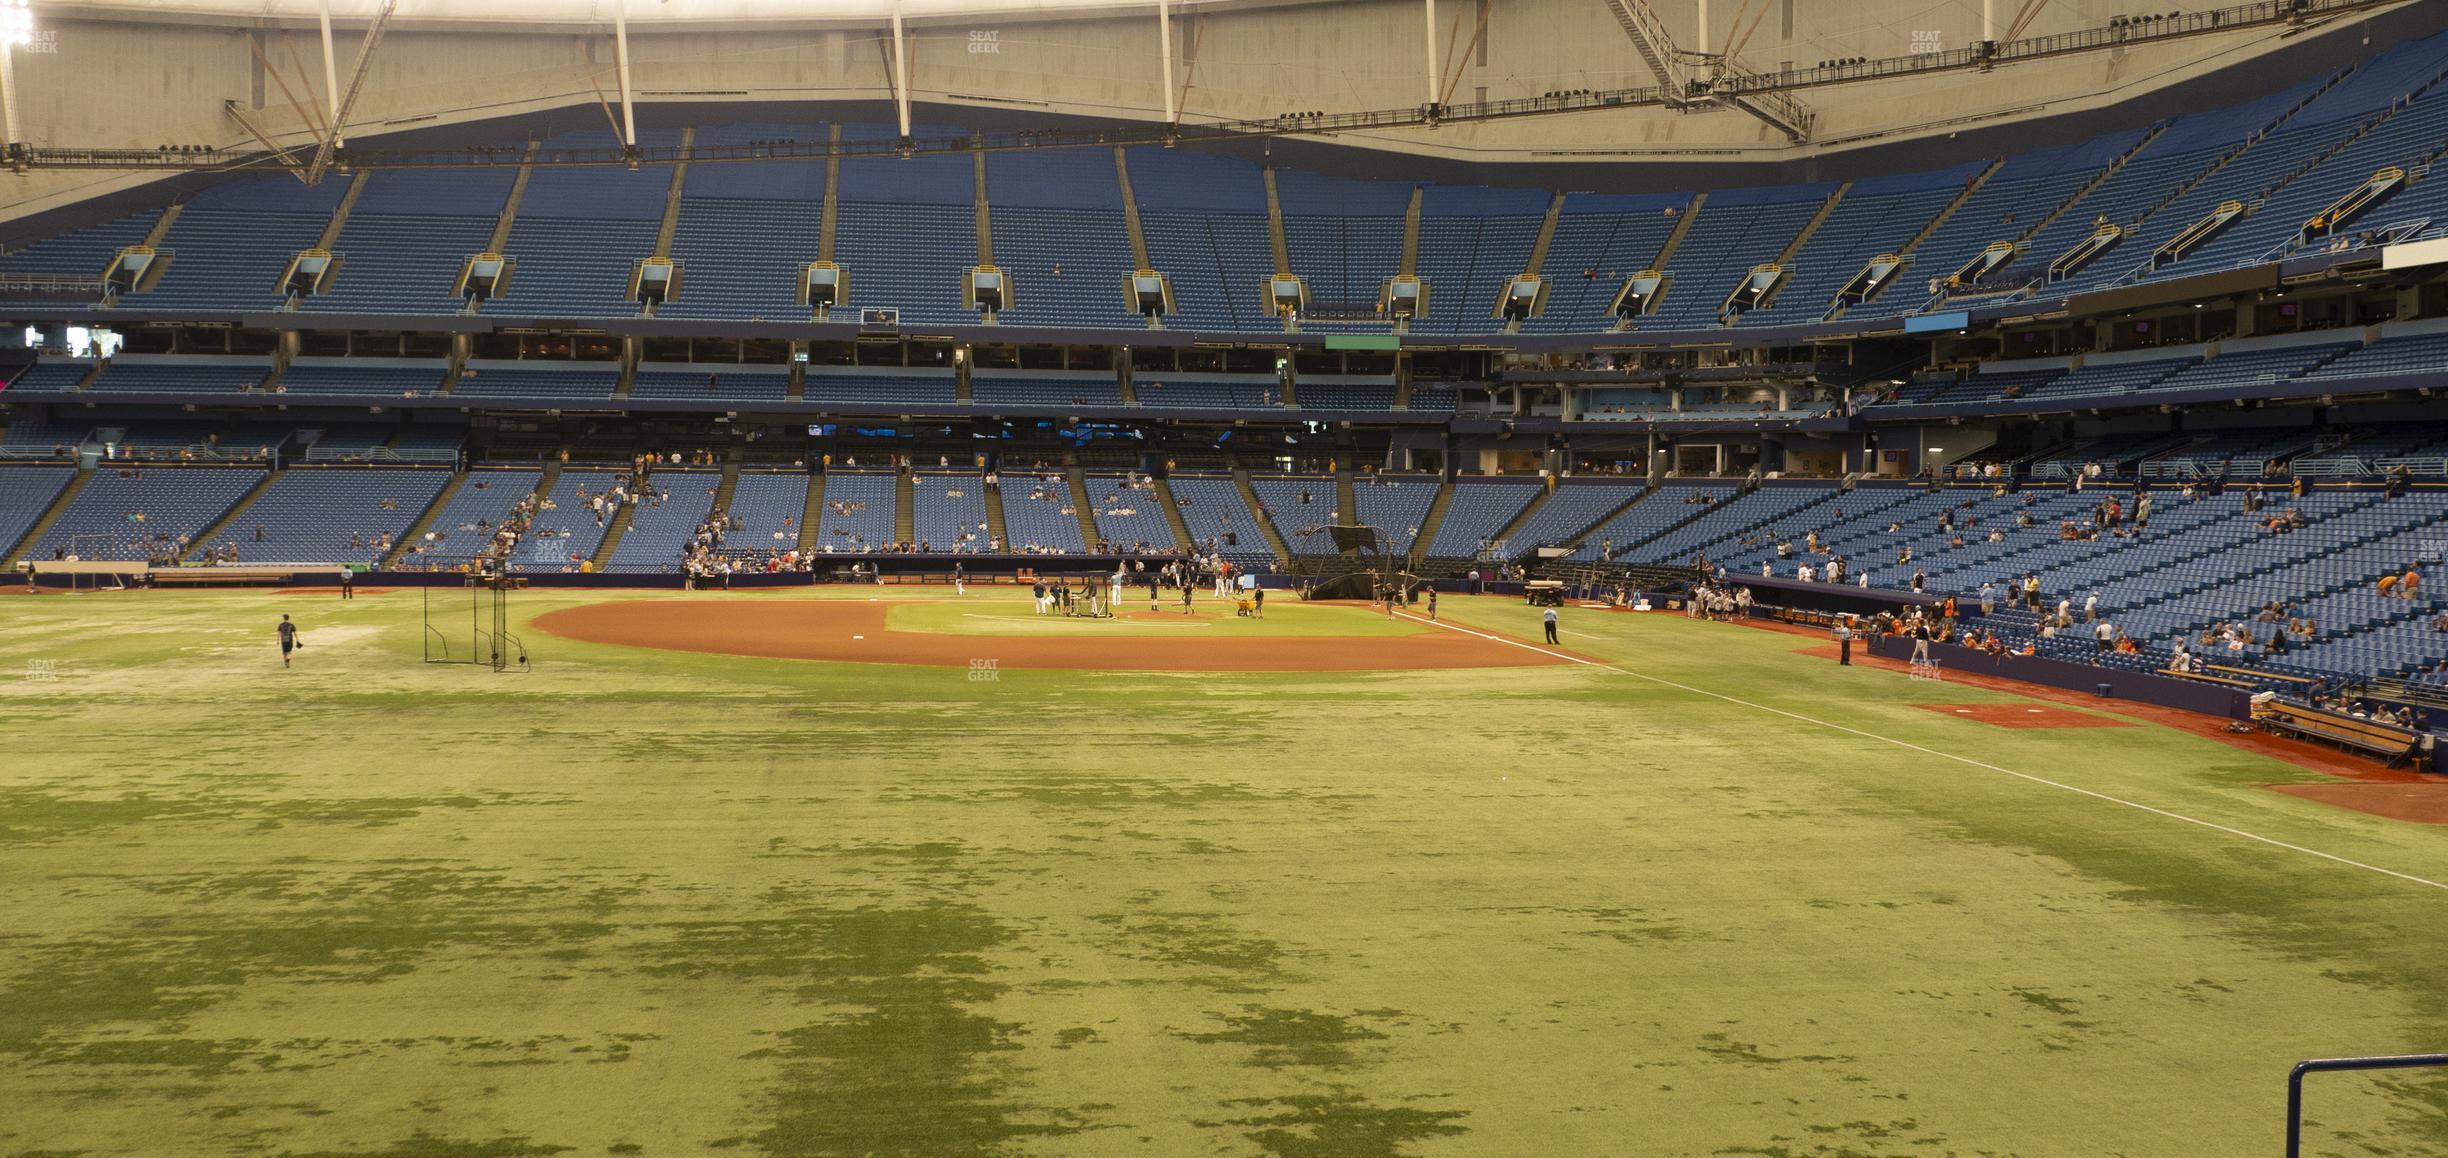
{"x": 857, "y": 632}
{"x": 2025, "y": 716}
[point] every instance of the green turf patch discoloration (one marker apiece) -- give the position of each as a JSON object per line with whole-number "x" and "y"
{"x": 664, "y": 903}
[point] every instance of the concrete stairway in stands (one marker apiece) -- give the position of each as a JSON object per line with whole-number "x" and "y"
{"x": 1430, "y": 521}
{"x": 214, "y": 529}
{"x": 424, "y": 521}
{"x": 1173, "y": 517}
{"x": 1266, "y": 522}
{"x": 50, "y": 515}
{"x": 994, "y": 514}
{"x": 1081, "y": 506}
{"x": 812, "y": 513}
{"x": 905, "y": 508}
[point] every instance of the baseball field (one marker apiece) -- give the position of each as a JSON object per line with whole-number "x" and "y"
{"x": 887, "y": 872}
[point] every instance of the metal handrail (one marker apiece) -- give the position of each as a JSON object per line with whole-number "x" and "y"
{"x": 2295, "y": 1077}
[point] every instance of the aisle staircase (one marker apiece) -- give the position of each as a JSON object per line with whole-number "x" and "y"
{"x": 994, "y": 514}
{"x": 1081, "y": 506}
{"x": 217, "y": 527}
{"x": 1430, "y": 521}
{"x": 1259, "y": 515}
{"x": 50, "y": 515}
{"x": 1173, "y": 516}
{"x": 811, "y": 514}
{"x": 424, "y": 522}
{"x": 905, "y": 508}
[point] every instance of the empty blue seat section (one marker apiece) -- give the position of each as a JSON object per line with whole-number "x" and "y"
{"x": 769, "y": 505}
{"x": 1480, "y": 508}
{"x": 565, "y": 532}
{"x": 1205, "y": 221}
{"x": 25, "y": 493}
{"x": 2189, "y": 146}
{"x": 2014, "y": 201}
{"x": 2422, "y": 447}
{"x": 380, "y": 377}
{"x": 1737, "y": 229}
{"x": 747, "y": 229}
{"x": 2107, "y": 377}
{"x": 162, "y": 441}
{"x": 859, "y": 511}
{"x": 28, "y": 438}
{"x": 910, "y": 258}
{"x": 2245, "y": 452}
{"x": 778, "y": 179}
{"x": 2392, "y": 355}
{"x": 1713, "y": 533}
{"x": 232, "y": 241}
{"x": 1576, "y": 506}
{"x": 132, "y": 513}
{"x": 948, "y": 511}
{"x": 2402, "y": 81}
{"x": 1302, "y": 507}
{"x": 742, "y": 259}
{"x": 2240, "y": 368}
{"x": 1673, "y": 502}
{"x": 573, "y": 381}
{"x": 711, "y": 383}
{"x": 50, "y": 377}
{"x": 906, "y": 229}
{"x": 1345, "y": 392}
{"x": 1129, "y": 519}
{"x": 1472, "y": 242}
{"x": 1038, "y": 515}
{"x": 1158, "y": 390}
{"x": 346, "y": 443}
{"x": 1059, "y": 233}
{"x": 330, "y": 514}
{"x": 1344, "y": 236}
{"x": 880, "y": 387}
{"x": 1601, "y": 239}
{"x": 1022, "y": 388}
{"x": 407, "y": 238}
{"x": 84, "y": 252}
{"x": 659, "y": 532}
{"x": 1222, "y": 523}
{"x": 429, "y": 443}
{"x": 137, "y": 374}
{"x": 1068, "y": 267}
{"x": 1395, "y": 504}
{"x": 466, "y": 523}
{"x": 580, "y": 232}
{"x": 2263, "y": 166}
{"x": 1633, "y": 405}
{"x": 1433, "y": 397}
{"x": 1878, "y": 215}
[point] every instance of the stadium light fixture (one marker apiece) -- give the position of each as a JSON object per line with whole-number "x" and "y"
{"x": 16, "y": 23}
{"x": 16, "y": 31}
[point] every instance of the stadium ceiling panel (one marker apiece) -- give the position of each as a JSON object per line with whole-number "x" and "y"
{"x": 638, "y": 12}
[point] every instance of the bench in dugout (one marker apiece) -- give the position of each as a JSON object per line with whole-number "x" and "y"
{"x": 2398, "y": 747}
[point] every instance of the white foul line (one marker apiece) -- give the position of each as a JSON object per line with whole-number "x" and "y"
{"x": 2057, "y": 784}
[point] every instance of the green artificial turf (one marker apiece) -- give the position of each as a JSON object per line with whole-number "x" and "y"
{"x": 655, "y": 903}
